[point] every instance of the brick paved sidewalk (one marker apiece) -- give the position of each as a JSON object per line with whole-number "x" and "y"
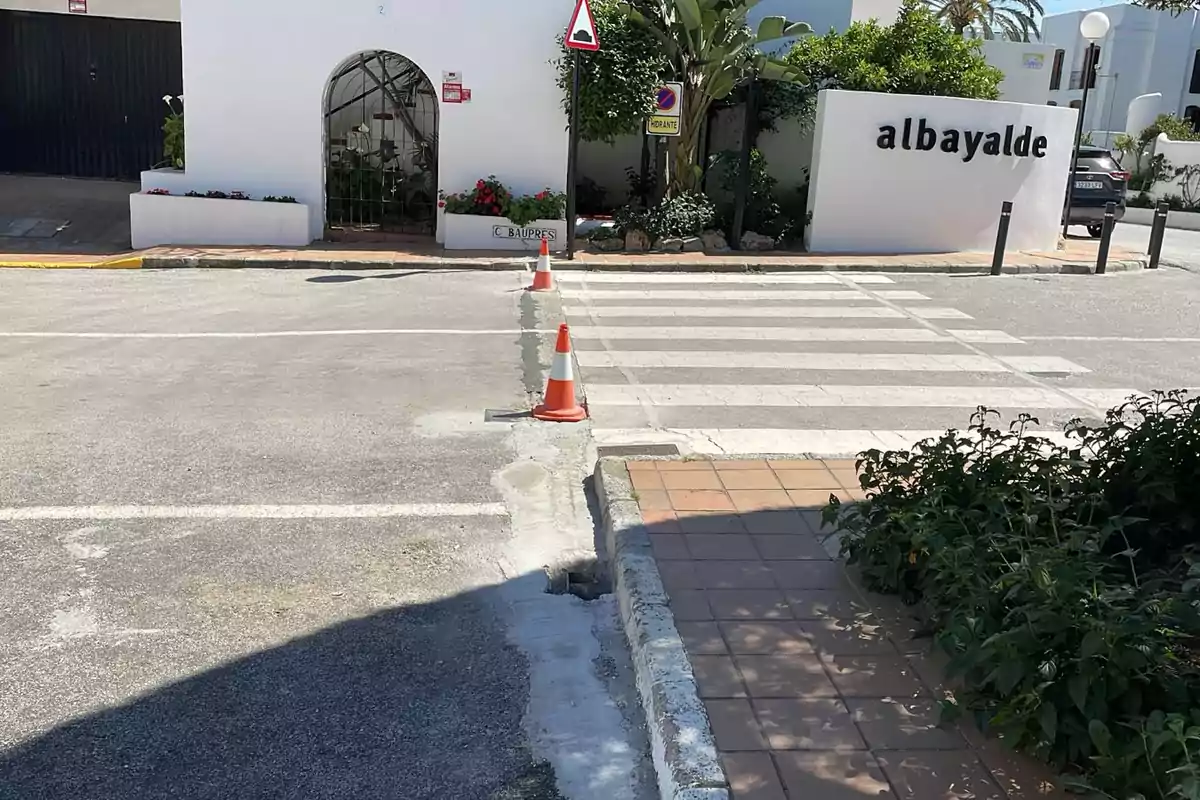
{"x": 815, "y": 689}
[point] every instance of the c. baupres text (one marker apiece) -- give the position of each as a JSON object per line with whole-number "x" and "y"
{"x": 967, "y": 142}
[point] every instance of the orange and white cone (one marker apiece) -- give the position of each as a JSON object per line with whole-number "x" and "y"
{"x": 559, "y": 402}
{"x": 543, "y": 279}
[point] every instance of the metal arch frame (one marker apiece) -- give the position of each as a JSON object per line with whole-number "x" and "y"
{"x": 384, "y": 207}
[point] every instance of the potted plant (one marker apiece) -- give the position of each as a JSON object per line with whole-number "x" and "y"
{"x": 490, "y": 217}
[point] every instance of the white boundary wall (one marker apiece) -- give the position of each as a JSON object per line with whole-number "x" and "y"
{"x": 874, "y": 192}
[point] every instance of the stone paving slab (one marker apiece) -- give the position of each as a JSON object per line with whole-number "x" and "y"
{"x": 813, "y": 687}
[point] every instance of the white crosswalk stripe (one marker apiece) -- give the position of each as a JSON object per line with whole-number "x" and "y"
{"x": 751, "y": 363}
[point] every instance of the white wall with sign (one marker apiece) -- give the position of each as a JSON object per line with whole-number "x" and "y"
{"x": 1027, "y": 67}
{"x": 896, "y": 173}
{"x": 269, "y": 138}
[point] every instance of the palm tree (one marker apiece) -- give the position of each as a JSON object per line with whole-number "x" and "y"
{"x": 991, "y": 19}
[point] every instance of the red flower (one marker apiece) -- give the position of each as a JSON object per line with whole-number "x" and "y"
{"x": 441, "y": 204}
{"x": 496, "y": 210}
{"x": 540, "y": 196}
{"x": 480, "y": 185}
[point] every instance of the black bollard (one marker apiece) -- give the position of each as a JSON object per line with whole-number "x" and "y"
{"x": 1158, "y": 231}
{"x": 1001, "y": 237}
{"x": 1110, "y": 219}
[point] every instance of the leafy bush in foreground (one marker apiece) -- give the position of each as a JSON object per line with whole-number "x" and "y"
{"x": 1062, "y": 581}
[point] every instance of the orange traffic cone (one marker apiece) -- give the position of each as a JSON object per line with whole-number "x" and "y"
{"x": 543, "y": 279}
{"x": 560, "y": 405}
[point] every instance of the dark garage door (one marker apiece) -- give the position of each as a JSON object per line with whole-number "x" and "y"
{"x": 82, "y": 95}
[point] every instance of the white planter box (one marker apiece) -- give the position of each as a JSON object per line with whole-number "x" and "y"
{"x": 467, "y": 232}
{"x": 172, "y": 220}
{"x": 1180, "y": 220}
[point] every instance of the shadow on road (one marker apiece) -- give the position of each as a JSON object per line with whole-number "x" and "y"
{"x": 415, "y": 702}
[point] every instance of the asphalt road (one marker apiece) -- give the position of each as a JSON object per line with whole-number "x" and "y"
{"x": 241, "y": 564}
{"x": 1179, "y": 246}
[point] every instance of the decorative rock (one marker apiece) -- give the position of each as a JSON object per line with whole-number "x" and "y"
{"x": 756, "y": 241}
{"x": 611, "y": 244}
{"x": 693, "y": 244}
{"x": 669, "y": 245}
{"x": 637, "y": 242}
{"x": 714, "y": 242}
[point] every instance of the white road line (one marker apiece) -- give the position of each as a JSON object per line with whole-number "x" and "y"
{"x": 737, "y": 312}
{"x": 983, "y": 336}
{"x": 937, "y": 312}
{"x": 571, "y": 276}
{"x": 782, "y": 441}
{"x": 254, "y": 511}
{"x": 762, "y": 334}
{"x": 721, "y": 295}
{"x": 815, "y": 396}
{"x": 1042, "y": 364}
{"x": 890, "y": 362}
{"x": 733, "y": 333}
{"x": 1130, "y": 339}
{"x": 265, "y": 334}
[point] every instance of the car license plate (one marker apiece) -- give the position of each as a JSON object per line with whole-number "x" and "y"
{"x": 1089, "y": 185}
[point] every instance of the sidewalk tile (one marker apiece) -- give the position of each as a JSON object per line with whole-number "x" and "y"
{"x": 849, "y": 638}
{"x": 717, "y": 677}
{"x": 669, "y": 546}
{"x": 889, "y": 724}
{"x": 734, "y": 725}
{"x": 646, "y": 481}
{"x": 681, "y": 465}
{"x": 796, "y": 463}
{"x": 799, "y": 676}
{"x": 789, "y": 547}
{"x": 809, "y": 574}
{"x": 653, "y": 501}
{"x": 689, "y": 605}
{"x": 749, "y": 479}
{"x": 808, "y": 725}
{"x": 752, "y": 776}
{"x": 759, "y": 499}
{"x": 721, "y": 547}
{"x": 832, "y": 776}
{"x": 824, "y": 603}
{"x": 1019, "y": 775}
{"x": 731, "y": 464}
{"x": 814, "y": 498}
{"x": 702, "y": 638}
{"x": 734, "y": 575}
{"x": 711, "y": 523}
{"x": 660, "y": 520}
{"x": 678, "y": 575}
{"x": 764, "y": 638}
{"x": 873, "y": 676}
{"x": 641, "y": 466}
{"x": 808, "y": 479}
{"x": 848, "y": 478}
{"x": 685, "y": 500}
{"x": 941, "y": 774}
{"x": 782, "y": 522}
{"x": 706, "y": 480}
{"x": 835, "y": 464}
{"x": 739, "y": 604}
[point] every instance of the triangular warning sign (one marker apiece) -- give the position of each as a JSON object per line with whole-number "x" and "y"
{"x": 581, "y": 34}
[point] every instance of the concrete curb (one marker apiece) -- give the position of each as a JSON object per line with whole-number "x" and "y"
{"x": 681, "y": 741}
{"x": 766, "y": 264}
{"x": 120, "y": 262}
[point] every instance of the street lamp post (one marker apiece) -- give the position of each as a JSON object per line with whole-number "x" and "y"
{"x": 1093, "y": 27}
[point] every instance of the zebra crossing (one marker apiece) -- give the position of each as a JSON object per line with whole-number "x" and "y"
{"x": 825, "y": 364}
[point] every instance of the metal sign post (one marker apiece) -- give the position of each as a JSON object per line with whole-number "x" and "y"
{"x": 581, "y": 35}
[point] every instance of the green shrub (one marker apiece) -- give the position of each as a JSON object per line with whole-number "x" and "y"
{"x": 678, "y": 216}
{"x": 1062, "y": 581}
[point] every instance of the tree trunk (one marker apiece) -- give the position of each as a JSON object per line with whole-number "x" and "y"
{"x": 685, "y": 178}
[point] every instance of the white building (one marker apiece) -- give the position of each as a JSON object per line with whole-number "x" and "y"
{"x": 1145, "y": 51}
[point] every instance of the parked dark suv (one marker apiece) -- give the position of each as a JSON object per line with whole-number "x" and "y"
{"x": 1098, "y": 179}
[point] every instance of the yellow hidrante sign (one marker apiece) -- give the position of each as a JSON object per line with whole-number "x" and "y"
{"x": 662, "y": 126}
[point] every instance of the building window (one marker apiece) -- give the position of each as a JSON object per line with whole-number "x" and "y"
{"x": 1192, "y": 115}
{"x": 1074, "y": 104}
{"x": 1052, "y": 103}
{"x": 1056, "y": 71}
{"x": 1194, "y": 88}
